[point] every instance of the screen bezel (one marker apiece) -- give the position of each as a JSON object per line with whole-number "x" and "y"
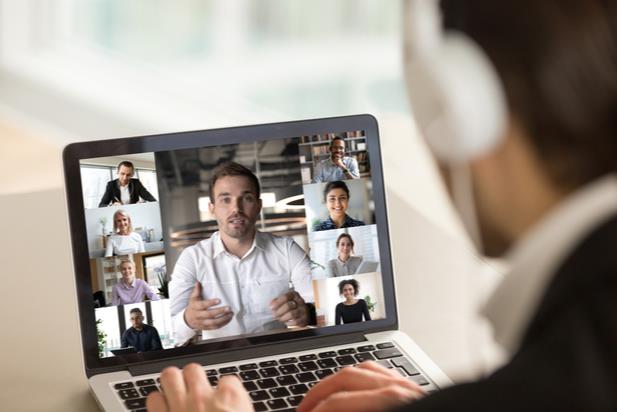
{"x": 75, "y": 152}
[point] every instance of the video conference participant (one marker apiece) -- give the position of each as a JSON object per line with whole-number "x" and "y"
{"x": 337, "y": 166}
{"x": 123, "y": 241}
{"x": 345, "y": 263}
{"x": 130, "y": 289}
{"x": 336, "y": 196}
{"x": 141, "y": 336}
{"x": 351, "y": 309}
{"x": 125, "y": 190}
{"x": 239, "y": 280}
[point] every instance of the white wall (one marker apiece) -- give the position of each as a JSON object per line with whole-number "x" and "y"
{"x": 370, "y": 284}
{"x": 144, "y": 215}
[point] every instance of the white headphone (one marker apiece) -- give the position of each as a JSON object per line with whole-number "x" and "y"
{"x": 455, "y": 93}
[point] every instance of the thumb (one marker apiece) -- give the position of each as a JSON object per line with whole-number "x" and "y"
{"x": 196, "y": 293}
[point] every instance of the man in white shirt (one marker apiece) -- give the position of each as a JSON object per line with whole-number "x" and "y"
{"x": 240, "y": 280}
{"x": 337, "y": 166}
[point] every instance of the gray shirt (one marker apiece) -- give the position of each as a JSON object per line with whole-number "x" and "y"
{"x": 326, "y": 171}
{"x": 338, "y": 268}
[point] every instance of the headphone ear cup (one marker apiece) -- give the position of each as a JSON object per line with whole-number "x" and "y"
{"x": 457, "y": 99}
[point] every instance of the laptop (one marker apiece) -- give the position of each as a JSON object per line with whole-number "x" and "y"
{"x": 136, "y": 203}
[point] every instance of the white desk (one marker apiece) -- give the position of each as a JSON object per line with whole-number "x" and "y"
{"x": 40, "y": 347}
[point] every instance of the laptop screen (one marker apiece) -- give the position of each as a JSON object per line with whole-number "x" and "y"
{"x": 218, "y": 239}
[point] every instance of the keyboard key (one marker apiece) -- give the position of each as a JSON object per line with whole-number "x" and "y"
{"x": 308, "y": 357}
{"x": 406, "y": 365}
{"x": 308, "y": 366}
{"x": 288, "y": 369}
{"x": 387, "y": 353}
{"x": 279, "y": 392}
{"x": 366, "y": 348}
{"x": 306, "y": 377}
{"x": 228, "y": 370}
{"x": 211, "y": 372}
{"x": 249, "y": 375}
{"x": 323, "y": 373}
{"x": 361, "y": 357}
{"x": 299, "y": 389}
{"x": 269, "y": 372}
{"x": 400, "y": 371}
{"x": 311, "y": 384}
{"x": 268, "y": 364}
{"x": 128, "y": 394}
{"x": 260, "y": 407}
{"x": 385, "y": 363}
{"x": 123, "y": 385}
{"x": 277, "y": 403}
{"x": 259, "y": 395}
{"x": 250, "y": 386}
{"x": 346, "y": 360}
{"x": 286, "y": 361}
{"x": 419, "y": 379}
{"x": 248, "y": 366}
{"x": 266, "y": 383}
{"x": 135, "y": 403}
{"x": 385, "y": 345}
{"x": 286, "y": 380}
{"x": 145, "y": 382}
{"x": 295, "y": 400}
{"x": 327, "y": 363}
{"x": 347, "y": 351}
{"x": 214, "y": 380}
{"x": 328, "y": 354}
{"x": 146, "y": 390}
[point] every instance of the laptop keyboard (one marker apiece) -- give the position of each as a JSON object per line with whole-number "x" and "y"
{"x": 280, "y": 383}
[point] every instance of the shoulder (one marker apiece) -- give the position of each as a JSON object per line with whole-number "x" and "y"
{"x": 135, "y": 181}
{"x": 323, "y": 225}
{"x": 269, "y": 241}
{"x": 136, "y": 236}
{"x": 200, "y": 250}
{"x": 350, "y": 222}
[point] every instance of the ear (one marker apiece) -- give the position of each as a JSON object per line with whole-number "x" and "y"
{"x": 211, "y": 207}
{"x": 259, "y": 204}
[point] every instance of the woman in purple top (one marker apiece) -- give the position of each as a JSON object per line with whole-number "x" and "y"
{"x": 129, "y": 289}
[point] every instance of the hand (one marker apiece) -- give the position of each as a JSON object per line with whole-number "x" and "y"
{"x": 190, "y": 390}
{"x": 366, "y": 387}
{"x": 338, "y": 161}
{"x": 116, "y": 203}
{"x": 290, "y": 309}
{"x": 198, "y": 314}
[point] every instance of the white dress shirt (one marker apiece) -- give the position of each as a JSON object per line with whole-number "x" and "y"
{"x": 120, "y": 245}
{"x": 247, "y": 285}
{"x": 536, "y": 257}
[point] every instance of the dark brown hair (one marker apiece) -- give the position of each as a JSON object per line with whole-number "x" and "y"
{"x": 337, "y": 184}
{"x": 354, "y": 283}
{"x": 126, "y": 163}
{"x": 348, "y": 236}
{"x": 557, "y": 60}
{"x": 232, "y": 169}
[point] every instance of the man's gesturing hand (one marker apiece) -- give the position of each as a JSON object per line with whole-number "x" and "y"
{"x": 199, "y": 315}
{"x": 291, "y": 309}
{"x": 366, "y": 387}
{"x": 189, "y": 390}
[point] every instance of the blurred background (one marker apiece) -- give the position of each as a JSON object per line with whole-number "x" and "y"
{"x": 75, "y": 70}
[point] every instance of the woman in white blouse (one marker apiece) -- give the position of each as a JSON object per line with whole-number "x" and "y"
{"x": 345, "y": 264}
{"x": 123, "y": 241}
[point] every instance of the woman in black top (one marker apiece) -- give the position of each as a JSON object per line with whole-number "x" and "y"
{"x": 352, "y": 309}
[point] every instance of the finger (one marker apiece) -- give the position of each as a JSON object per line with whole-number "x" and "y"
{"x": 365, "y": 401}
{"x": 282, "y": 300}
{"x": 173, "y": 386}
{"x": 156, "y": 402}
{"x": 295, "y": 314}
{"x": 375, "y": 367}
{"x": 211, "y": 313}
{"x": 348, "y": 379}
{"x": 197, "y": 386}
{"x": 196, "y": 293}
{"x": 217, "y": 322}
{"x": 231, "y": 392}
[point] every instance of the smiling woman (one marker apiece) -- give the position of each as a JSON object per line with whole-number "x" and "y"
{"x": 336, "y": 196}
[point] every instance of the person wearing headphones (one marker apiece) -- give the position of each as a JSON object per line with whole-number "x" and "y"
{"x": 517, "y": 100}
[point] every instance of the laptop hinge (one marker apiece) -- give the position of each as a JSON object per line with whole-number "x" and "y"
{"x": 269, "y": 349}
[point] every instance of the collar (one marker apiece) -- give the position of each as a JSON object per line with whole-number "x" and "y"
{"x": 535, "y": 258}
{"x": 259, "y": 242}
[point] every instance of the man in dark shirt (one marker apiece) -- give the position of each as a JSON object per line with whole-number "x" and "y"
{"x": 142, "y": 337}
{"x": 125, "y": 190}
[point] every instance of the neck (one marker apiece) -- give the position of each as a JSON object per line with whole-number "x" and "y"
{"x": 140, "y": 327}
{"x": 129, "y": 281}
{"x": 350, "y": 301}
{"x": 238, "y": 246}
{"x": 338, "y": 222}
{"x": 344, "y": 258}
